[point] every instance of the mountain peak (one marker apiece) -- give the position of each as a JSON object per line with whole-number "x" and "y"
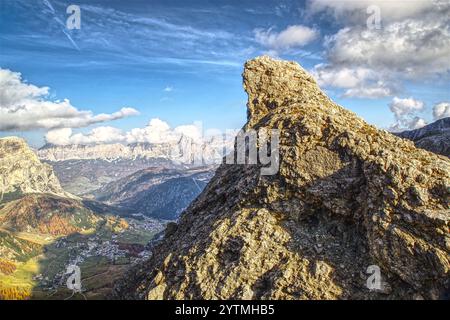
{"x": 22, "y": 172}
{"x": 347, "y": 199}
{"x": 433, "y": 137}
{"x": 272, "y": 84}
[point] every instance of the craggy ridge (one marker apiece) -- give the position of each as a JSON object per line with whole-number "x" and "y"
{"x": 347, "y": 196}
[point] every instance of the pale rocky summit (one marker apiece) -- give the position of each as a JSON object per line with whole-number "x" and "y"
{"x": 21, "y": 171}
{"x": 347, "y": 196}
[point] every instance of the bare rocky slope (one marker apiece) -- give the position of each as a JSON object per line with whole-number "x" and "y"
{"x": 347, "y": 196}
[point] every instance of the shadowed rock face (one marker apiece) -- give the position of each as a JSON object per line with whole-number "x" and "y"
{"x": 347, "y": 196}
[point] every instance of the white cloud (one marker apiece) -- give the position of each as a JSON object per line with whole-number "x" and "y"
{"x": 417, "y": 123}
{"x": 157, "y": 131}
{"x": 65, "y": 136}
{"x": 358, "y": 81}
{"x": 168, "y": 89}
{"x": 356, "y": 10}
{"x": 408, "y": 124}
{"x": 292, "y": 37}
{"x": 342, "y": 77}
{"x": 193, "y": 131}
{"x": 25, "y": 106}
{"x": 441, "y": 110}
{"x": 415, "y": 43}
{"x": 409, "y": 47}
{"x": 402, "y": 107}
{"x": 378, "y": 90}
{"x": 59, "y": 136}
{"x": 405, "y": 111}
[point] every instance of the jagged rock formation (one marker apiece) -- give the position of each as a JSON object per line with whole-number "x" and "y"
{"x": 434, "y": 137}
{"x": 347, "y": 196}
{"x": 22, "y": 172}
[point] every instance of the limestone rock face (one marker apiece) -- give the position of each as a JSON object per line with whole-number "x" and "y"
{"x": 347, "y": 198}
{"x": 22, "y": 172}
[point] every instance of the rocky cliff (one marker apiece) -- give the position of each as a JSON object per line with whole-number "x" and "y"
{"x": 347, "y": 199}
{"x": 22, "y": 172}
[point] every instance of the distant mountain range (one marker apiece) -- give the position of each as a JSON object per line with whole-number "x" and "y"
{"x": 185, "y": 151}
{"x": 32, "y": 197}
{"x": 83, "y": 176}
{"x": 44, "y": 229}
{"x": 434, "y": 137}
{"x": 156, "y": 192}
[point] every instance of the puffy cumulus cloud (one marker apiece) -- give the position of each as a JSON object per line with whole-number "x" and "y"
{"x": 409, "y": 47}
{"x": 405, "y": 111}
{"x": 59, "y": 136}
{"x": 341, "y": 77}
{"x": 417, "y": 123}
{"x": 64, "y": 136}
{"x": 401, "y": 107}
{"x": 378, "y": 90}
{"x": 408, "y": 124}
{"x": 358, "y": 81}
{"x": 292, "y": 37}
{"x": 13, "y": 89}
{"x": 156, "y": 131}
{"x": 25, "y": 106}
{"x": 441, "y": 110}
{"x": 357, "y": 10}
{"x": 193, "y": 131}
{"x": 412, "y": 43}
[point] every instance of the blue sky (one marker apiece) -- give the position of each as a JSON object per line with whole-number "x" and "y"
{"x": 181, "y": 61}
